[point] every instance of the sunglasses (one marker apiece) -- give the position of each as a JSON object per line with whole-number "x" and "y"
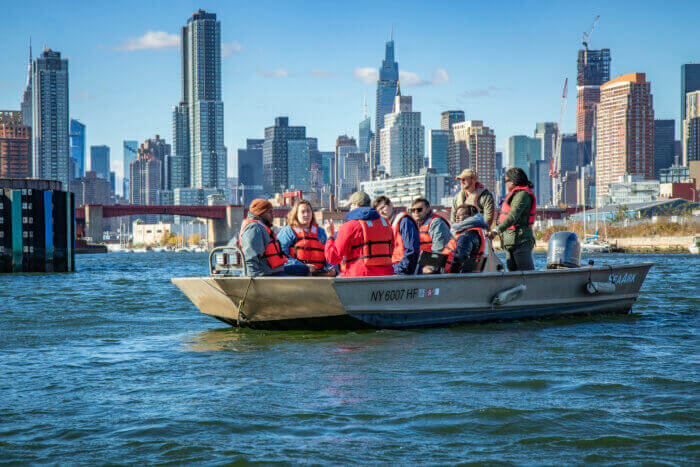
{"x": 416, "y": 210}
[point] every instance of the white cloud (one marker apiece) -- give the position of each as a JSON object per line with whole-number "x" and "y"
{"x": 323, "y": 74}
{"x": 278, "y": 73}
{"x": 485, "y": 92}
{"x": 366, "y": 75}
{"x": 440, "y": 77}
{"x": 228, "y": 48}
{"x": 406, "y": 78}
{"x": 152, "y": 40}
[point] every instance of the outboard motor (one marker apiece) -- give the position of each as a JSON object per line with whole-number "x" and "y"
{"x": 563, "y": 251}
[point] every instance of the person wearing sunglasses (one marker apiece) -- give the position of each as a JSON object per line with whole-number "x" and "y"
{"x": 473, "y": 193}
{"x": 434, "y": 229}
{"x": 515, "y": 221}
{"x": 406, "y": 236}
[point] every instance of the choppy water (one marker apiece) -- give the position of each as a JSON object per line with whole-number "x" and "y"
{"x": 112, "y": 364}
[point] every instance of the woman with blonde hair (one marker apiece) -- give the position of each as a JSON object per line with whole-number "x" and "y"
{"x": 303, "y": 239}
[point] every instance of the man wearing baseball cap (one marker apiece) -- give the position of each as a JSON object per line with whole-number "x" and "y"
{"x": 473, "y": 193}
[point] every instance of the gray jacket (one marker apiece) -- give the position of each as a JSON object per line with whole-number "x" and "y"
{"x": 440, "y": 233}
{"x": 254, "y": 239}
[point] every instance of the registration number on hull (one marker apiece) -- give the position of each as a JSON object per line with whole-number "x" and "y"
{"x": 395, "y": 295}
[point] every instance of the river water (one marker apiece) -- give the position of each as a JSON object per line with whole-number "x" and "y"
{"x": 112, "y": 364}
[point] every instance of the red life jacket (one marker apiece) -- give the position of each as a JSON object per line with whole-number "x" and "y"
{"x": 307, "y": 248}
{"x": 452, "y": 247}
{"x": 399, "y": 250}
{"x": 273, "y": 250}
{"x": 505, "y": 208}
{"x": 376, "y": 244}
{"x": 426, "y": 241}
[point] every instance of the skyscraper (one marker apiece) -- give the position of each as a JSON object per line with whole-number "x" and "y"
{"x": 198, "y": 121}
{"x": 547, "y": 132}
{"x": 300, "y": 154}
{"x": 365, "y": 134}
{"x": 691, "y": 129}
{"x": 439, "y": 149}
{"x": 130, "y": 149}
{"x": 521, "y": 150}
{"x": 386, "y": 89}
{"x": 250, "y": 170}
{"x": 15, "y": 146}
{"x": 99, "y": 161}
{"x": 624, "y": 131}
{"x": 664, "y": 141}
{"x": 569, "y": 153}
{"x": 402, "y": 140}
{"x": 49, "y": 83}
{"x": 593, "y": 70}
{"x": 179, "y": 168}
{"x": 145, "y": 179}
{"x": 690, "y": 81}
{"x": 275, "y": 154}
{"x": 344, "y": 145}
{"x": 456, "y": 160}
{"x": 77, "y": 146}
{"x": 480, "y": 142}
{"x": 26, "y": 105}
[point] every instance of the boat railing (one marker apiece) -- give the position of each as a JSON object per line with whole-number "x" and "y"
{"x": 226, "y": 261}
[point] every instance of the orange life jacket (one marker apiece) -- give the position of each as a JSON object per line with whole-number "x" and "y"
{"x": 273, "y": 250}
{"x": 376, "y": 243}
{"x": 307, "y": 248}
{"x": 505, "y": 208}
{"x": 426, "y": 241}
{"x": 452, "y": 247}
{"x": 399, "y": 250}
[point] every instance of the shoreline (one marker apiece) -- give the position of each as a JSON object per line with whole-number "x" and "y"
{"x": 671, "y": 244}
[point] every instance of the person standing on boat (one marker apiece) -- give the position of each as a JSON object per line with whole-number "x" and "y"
{"x": 365, "y": 241}
{"x": 406, "y": 237}
{"x": 515, "y": 221}
{"x": 302, "y": 240}
{"x": 473, "y": 193}
{"x": 262, "y": 251}
{"x": 434, "y": 230}
{"x": 469, "y": 245}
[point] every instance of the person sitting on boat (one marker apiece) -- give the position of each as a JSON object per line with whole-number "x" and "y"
{"x": 468, "y": 246}
{"x": 434, "y": 229}
{"x": 365, "y": 241}
{"x": 302, "y": 240}
{"x": 516, "y": 219}
{"x": 262, "y": 251}
{"x": 473, "y": 193}
{"x": 406, "y": 236}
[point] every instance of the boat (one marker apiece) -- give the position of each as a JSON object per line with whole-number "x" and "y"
{"x": 694, "y": 247}
{"x": 595, "y": 245}
{"x": 396, "y": 302}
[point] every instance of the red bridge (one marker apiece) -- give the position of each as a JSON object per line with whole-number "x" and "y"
{"x": 118, "y": 210}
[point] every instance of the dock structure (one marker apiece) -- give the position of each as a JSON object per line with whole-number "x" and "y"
{"x": 37, "y": 230}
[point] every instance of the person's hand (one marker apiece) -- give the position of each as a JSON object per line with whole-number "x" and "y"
{"x": 427, "y": 269}
{"x": 312, "y": 268}
{"x": 492, "y": 234}
{"x": 330, "y": 272}
{"x": 330, "y": 228}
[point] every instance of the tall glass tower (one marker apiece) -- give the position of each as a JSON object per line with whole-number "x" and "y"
{"x": 201, "y": 105}
{"x": 49, "y": 87}
{"x": 386, "y": 90}
{"x": 77, "y": 146}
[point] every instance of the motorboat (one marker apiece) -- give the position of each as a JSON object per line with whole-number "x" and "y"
{"x": 694, "y": 247}
{"x": 408, "y": 301}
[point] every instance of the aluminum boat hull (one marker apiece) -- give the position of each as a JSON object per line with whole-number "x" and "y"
{"x": 411, "y": 301}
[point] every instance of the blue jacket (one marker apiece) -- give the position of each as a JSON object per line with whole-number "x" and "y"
{"x": 411, "y": 245}
{"x": 288, "y": 237}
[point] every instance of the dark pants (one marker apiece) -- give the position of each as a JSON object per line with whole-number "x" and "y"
{"x": 293, "y": 270}
{"x": 519, "y": 258}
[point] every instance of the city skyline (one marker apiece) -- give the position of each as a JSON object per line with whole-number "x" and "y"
{"x": 261, "y": 83}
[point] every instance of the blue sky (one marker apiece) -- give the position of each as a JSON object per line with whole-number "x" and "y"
{"x": 501, "y": 62}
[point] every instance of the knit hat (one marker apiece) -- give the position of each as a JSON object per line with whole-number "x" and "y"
{"x": 360, "y": 198}
{"x": 260, "y": 206}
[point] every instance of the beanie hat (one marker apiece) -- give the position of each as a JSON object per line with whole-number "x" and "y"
{"x": 260, "y": 206}
{"x": 360, "y": 198}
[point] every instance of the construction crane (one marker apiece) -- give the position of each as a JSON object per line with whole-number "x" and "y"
{"x": 587, "y": 36}
{"x": 555, "y": 160}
